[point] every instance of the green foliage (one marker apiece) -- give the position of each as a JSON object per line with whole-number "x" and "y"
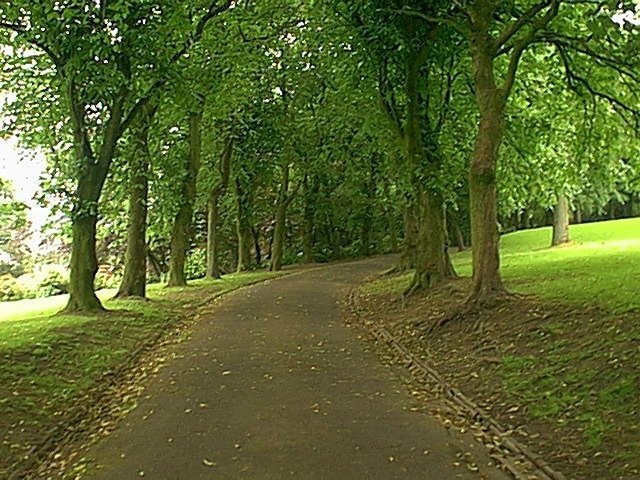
{"x": 196, "y": 264}
{"x": 11, "y": 289}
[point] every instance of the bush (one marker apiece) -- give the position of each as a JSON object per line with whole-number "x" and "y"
{"x": 196, "y": 264}
{"x": 54, "y": 282}
{"x": 10, "y": 288}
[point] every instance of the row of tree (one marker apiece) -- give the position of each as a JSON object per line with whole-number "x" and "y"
{"x": 321, "y": 128}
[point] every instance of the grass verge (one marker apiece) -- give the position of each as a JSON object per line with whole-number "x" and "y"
{"x": 50, "y": 362}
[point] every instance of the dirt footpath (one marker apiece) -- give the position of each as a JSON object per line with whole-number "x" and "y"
{"x": 273, "y": 385}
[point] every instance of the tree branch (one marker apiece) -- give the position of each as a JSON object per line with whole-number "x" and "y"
{"x": 427, "y": 18}
{"x": 517, "y": 25}
{"x": 21, "y": 30}
{"x": 213, "y": 11}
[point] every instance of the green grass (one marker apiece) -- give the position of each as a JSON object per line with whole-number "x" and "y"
{"x": 600, "y": 267}
{"x": 50, "y": 362}
{"x": 579, "y": 367}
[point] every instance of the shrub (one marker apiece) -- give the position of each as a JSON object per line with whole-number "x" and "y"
{"x": 54, "y": 282}
{"x": 10, "y": 288}
{"x": 196, "y": 264}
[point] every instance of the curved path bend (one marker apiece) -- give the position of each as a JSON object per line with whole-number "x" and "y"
{"x": 273, "y": 385}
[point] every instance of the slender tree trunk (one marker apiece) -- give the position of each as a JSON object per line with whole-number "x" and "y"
{"x": 255, "y": 235}
{"x": 459, "y": 237}
{"x": 243, "y": 229}
{"x": 482, "y": 177}
{"x": 213, "y": 268}
{"x": 367, "y": 218}
{"x": 409, "y": 250}
{"x": 213, "y": 218}
{"x": 308, "y": 222}
{"x": 577, "y": 216}
{"x": 155, "y": 264}
{"x": 561, "y": 222}
{"x": 390, "y": 220}
{"x": 134, "y": 280}
{"x": 277, "y": 247}
{"x": 182, "y": 225}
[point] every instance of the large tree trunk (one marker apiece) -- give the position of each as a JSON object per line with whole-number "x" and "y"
{"x": 213, "y": 217}
{"x": 561, "y": 222}
{"x": 277, "y": 247}
{"x": 432, "y": 265}
{"x": 134, "y": 280}
{"x": 182, "y": 225}
{"x": 482, "y": 177}
{"x": 409, "y": 250}
{"x": 91, "y": 177}
{"x": 84, "y": 266}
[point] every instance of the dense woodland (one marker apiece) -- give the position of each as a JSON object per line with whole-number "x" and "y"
{"x": 196, "y": 138}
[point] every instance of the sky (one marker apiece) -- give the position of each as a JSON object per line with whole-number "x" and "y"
{"x": 23, "y": 169}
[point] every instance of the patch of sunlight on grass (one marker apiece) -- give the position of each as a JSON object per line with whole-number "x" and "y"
{"x": 392, "y": 285}
{"x": 599, "y": 267}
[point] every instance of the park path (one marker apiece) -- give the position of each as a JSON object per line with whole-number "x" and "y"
{"x": 273, "y": 385}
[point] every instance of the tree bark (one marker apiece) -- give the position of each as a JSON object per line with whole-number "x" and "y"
{"x": 213, "y": 268}
{"x": 91, "y": 177}
{"x": 432, "y": 265}
{"x": 491, "y": 101}
{"x": 577, "y": 215}
{"x": 277, "y": 247}
{"x": 255, "y": 235}
{"x": 243, "y": 228}
{"x": 84, "y": 266}
{"x": 183, "y": 223}
{"x": 561, "y": 222}
{"x": 408, "y": 257}
{"x": 134, "y": 280}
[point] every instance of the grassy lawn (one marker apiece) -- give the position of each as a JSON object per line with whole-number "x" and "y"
{"x": 49, "y": 361}
{"x": 575, "y": 367}
{"x": 600, "y": 267}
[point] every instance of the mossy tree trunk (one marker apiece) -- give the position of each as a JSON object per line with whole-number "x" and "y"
{"x": 410, "y": 242}
{"x": 213, "y": 217}
{"x": 491, "y": 102}
{"x": 491, "y": 98}
{"x": 92, "y": 173}
{"x": 134, "y": 280}
{"x": 432, "y": 265}
{"x": 285, "y": 198}
{"x": 183, "y": 223}
{"x": 561, "y": 222}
